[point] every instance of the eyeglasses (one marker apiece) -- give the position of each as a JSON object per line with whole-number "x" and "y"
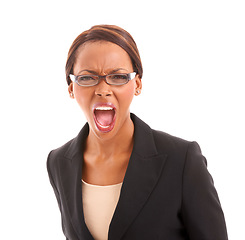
{"x": 111, "y": 79}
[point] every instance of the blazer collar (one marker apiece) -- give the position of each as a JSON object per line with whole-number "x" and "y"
{"x": 144, "y": 143}
{"x": 144, "y": 169}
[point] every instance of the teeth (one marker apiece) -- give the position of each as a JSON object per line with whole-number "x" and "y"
{"x": 104, "y": 108}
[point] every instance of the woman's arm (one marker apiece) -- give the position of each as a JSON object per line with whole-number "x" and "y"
{"x": 52, "y": 181}
{"x": 55, "y": 189}
{"x": 201, "y": 209}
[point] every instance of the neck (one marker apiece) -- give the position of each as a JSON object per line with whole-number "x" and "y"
{"x": 121, "y": 143}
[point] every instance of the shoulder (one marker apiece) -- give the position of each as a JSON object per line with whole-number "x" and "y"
{"x": 160, "y": 137}
{"x": 60, "y": 151}
{"x": 55, "y": 156}
{"x": 168, "y": 139}
{"x": 69, "y": 149}
{"x": 176, "y": 146}
{"x": 171, "y": 144}
{"x": 165, "y": 143}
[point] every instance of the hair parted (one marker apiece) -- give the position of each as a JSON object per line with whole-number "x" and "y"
{"x": 108, "y": 33}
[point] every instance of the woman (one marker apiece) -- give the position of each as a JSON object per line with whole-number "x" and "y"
{"x": 120, "y": 179}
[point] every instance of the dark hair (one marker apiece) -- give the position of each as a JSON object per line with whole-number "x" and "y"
{"x": 108, "y": 33}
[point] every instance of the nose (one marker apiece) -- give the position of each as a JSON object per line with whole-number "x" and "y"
{"x": 103, "y": 89}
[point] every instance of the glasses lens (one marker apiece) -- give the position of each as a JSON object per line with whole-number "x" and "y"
{"x": 117, "y": 79}
{"x": 87, "y": 80}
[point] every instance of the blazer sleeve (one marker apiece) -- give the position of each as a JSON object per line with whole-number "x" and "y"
{"x": 49, "y": 169}
{"x": 201, "y": 210}
{"x": 52, "y": 181}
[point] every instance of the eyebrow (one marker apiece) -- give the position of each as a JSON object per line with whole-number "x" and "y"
{"x": 118, "y": 69}
{"x": 95, "y": 73}
{"x": 86, "y": 70}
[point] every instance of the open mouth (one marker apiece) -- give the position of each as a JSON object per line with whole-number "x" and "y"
{"x": 104, "y": 116}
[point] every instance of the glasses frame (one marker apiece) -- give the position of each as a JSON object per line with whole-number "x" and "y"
{"x": 130, "y": 76}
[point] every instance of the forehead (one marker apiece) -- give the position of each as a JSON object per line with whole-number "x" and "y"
{"x": 101, "y": 56}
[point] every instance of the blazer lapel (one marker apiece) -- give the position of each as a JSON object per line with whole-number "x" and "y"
{"x": 144, "y": 169}
{"x": 72, "y": 165}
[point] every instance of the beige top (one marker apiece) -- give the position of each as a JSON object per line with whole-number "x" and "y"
{"x": 99, "y": 203}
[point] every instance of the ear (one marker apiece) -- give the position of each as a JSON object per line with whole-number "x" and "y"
{"x": 70, "y": 90}
{"x": 138, "y": 86}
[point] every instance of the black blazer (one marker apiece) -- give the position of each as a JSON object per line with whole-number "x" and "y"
{"x": 167, "y": 192}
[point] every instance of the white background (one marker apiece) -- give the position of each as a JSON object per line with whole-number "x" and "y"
{"x": 193, "y": 55}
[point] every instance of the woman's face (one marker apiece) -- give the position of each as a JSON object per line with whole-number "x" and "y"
{"x": 106, "y": 107}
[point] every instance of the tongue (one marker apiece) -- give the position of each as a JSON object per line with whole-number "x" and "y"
{"x": 105, "y": 117}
